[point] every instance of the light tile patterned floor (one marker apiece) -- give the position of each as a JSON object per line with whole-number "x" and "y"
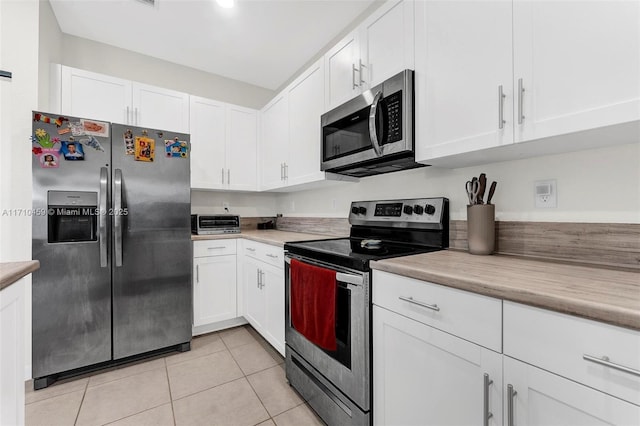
{"x": 232, "y": 377}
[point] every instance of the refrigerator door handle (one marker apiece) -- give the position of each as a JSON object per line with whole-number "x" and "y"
{"x": 102, "y": 218}
{"x": 117, "y": 217}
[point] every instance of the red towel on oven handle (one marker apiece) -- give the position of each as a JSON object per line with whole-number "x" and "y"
{"x": 313, "y": 303}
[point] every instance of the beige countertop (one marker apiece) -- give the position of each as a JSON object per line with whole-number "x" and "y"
{"x": 10, "y": 272}
{"x": 611, "y": 296}
{"x": 267, "y": 236}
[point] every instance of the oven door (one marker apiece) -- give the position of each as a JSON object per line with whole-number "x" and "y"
{"x": 348, "y": 367}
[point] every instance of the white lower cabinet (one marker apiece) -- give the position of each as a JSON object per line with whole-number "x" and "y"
{"x": 214, "y": 286}
{"x": 263, "y": 289}
{"x": 423, "y": 376}
{"x": 12, "y": 354}
{"x": 540, "y": 398}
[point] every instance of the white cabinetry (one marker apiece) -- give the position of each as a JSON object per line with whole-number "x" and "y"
{"x": 12, "y": 354}
{"x": 99, "y": 96}
{"x": 561, "y": 67}
{"x": 214, "y": 285}
{"x": 274, "y": 141}
{"x": 263, "y": 285}
{"x": 382, "y": 46}
{"x": 424, "y": 375}
{"x": 223, "y": 145}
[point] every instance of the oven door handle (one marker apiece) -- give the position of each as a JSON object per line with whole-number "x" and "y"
{"x": 348, "y": 278}
{"x": 372, "y": 124}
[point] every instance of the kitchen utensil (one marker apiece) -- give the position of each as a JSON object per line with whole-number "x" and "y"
{"x": 492, "y": 190}
{"x": 472, "y": 187}
{"x": 483, "y": 185}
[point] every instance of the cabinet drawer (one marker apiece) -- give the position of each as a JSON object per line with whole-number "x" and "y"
{"x": 267, "y": 253}
{"x": 467, "y": 315}
{"x": 559, "y": 343}
{"x": 213, "y": 248}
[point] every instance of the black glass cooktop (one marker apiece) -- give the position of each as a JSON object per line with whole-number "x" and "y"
{"x": 352, "y": 252}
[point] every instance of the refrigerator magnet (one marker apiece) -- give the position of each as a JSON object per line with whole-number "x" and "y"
{"x": 43, "y": 118}
{"x": 92, "y": 142}
{"x": 44, "y": 139}
{"x": 49, "y": 159}
{"x": 72, "y": 151}
{"x": 176, "y": 148}
{"x": 145, "y": 149}
{"x": 95, "y": 128}
{"x": 76, "y": 128}
{"x": 129, "y": 146}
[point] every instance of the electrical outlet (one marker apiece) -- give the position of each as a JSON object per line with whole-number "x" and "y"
{"x": 333, "y": 203}
{"x": 545, "y": 193}
{"x": 225, "y": 206}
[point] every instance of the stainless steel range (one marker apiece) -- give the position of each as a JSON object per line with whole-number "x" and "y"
{"x": 328, "y": 301}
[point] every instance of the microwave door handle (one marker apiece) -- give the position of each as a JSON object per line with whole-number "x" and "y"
{"x": 372, "y": 124}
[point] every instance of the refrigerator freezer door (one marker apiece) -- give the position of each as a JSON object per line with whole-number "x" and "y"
{"x": 152, "y": 299}
{"x": 71, "y": 292}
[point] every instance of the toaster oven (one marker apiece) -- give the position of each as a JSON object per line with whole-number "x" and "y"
{"x": 204, "y": 224}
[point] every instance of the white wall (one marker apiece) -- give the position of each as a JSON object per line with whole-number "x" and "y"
{"x": 102, "y": 58}
{"x": 600, "y": 185}
{"x": 247, "y": 204}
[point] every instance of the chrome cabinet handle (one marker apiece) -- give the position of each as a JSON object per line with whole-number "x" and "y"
{"x": 286, "y": 171}
{"x": 258, "y": 278}
{"x": 117, "y": 218}
{"x": 360, "y": 72}
{"x": 261, "y": 278}
{"x": 273, "y": 256}
{"x": 136, "y": 111}
{"x": 607, "y": 363}
{"x": 501, "y": 97}
{"x": 127, "y": 119}
{"x": 222, "y": 170}
{"x": 487, "y": 414}
{"x": 410, "y": 299}
{"x": 281, "y": 171}
{"x": 520, "y": 100}
{"x": 511, "y": 393}
{"x": 250, "y": 249}
{"x": 197, "y": 273}
{"x": 102, "y": 218}
{"x": 372, "y": 124}
{"x": 229, "y": 176}
{"x": 353, "y": 76}
{"x": 215, "y": 248}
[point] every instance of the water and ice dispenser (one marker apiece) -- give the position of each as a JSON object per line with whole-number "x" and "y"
{"x": 72, "y": 216}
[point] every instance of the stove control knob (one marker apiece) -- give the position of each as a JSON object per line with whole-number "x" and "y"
{"x": 362, "y": 210}
{"x": 354, "y": 210}
{"x": 429, "y": 209}
{"x": 418, "y": 209}
{"x": 408, "y": 210}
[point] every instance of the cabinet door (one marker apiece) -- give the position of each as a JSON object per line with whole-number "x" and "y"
{"x": 273, "y": 278}
{"x": 254, "y": 296}
{"x": 342, "y": 65}
{"x": 92, "y": 95}
{"x": 12, "y": 354}
{"x": 463, "y": 56}
{"x": 274, "y": 142}
{"x": 544, "y": 399}
{"x": 160, "y": 108}
{"x": 214, "y": 289}
{"x": 387, "y": 42}
{"x": 208, "y": 140}
{"x": 242, "y": 159}
{"x": 306, "y": 105}
{"x": 423, "y": 376}
{"x": 579, "y": 62}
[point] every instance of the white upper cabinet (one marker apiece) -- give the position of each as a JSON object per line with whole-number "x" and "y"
{"x": 99, "y": 96}
{"x": 274, "y": 140}
{"x": 208, "y": 143}
{"x": 242, "y": 158}
{"x": 387, "y": 42}
{"x": 382, "y": 46}
{"x": 223, "y": 146}
{"x": 160, "y": 108}
{"x": 88, "y": 94}
{"x": 463, "y": 61}
{"x": 579, "y": 63}
{"x": 306, "y": 105}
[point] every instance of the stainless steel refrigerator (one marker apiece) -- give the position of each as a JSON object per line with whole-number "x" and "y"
{"x": 112, "y": 232}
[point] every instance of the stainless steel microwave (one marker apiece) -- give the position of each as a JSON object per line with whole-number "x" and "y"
{"x": 372, "y": 133}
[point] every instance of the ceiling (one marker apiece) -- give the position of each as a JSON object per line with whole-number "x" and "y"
{"x": 261, "y": 42}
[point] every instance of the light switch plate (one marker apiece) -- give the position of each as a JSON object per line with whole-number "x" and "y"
{"x": 546, "y": 194}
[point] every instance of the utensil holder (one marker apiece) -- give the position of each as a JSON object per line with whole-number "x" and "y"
{"x": 481, "y": 228}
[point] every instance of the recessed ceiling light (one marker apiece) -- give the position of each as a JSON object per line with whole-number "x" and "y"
{"x": 227, "y": 4}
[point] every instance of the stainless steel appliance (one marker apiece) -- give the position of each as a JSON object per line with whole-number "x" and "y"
{"x": 372, "y": 133}
{"x": 113, "y": 239}
{"x": 205, "y": 224}
{"x": 337, "y": 382}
